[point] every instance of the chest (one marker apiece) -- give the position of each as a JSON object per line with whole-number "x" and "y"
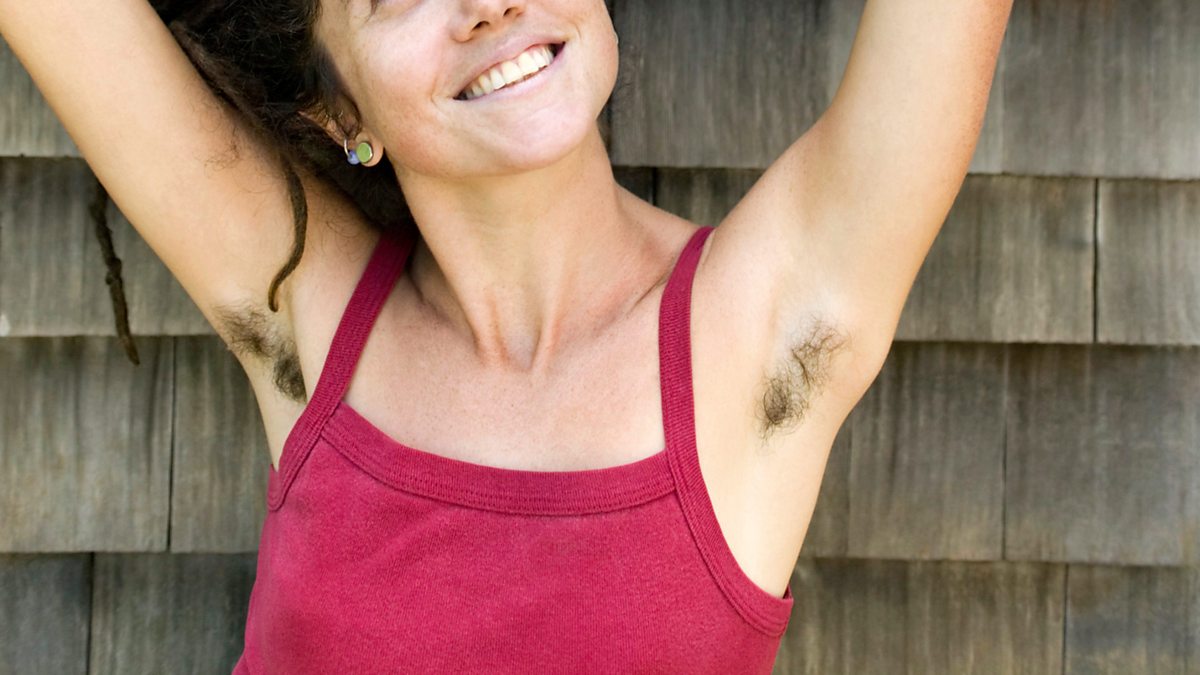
{"x": 602, "y": 408}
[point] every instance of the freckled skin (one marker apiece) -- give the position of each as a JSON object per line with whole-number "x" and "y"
{"x": 798, "y": 379}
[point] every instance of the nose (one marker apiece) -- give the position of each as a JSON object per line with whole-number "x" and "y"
{"x": 479, "y": 15}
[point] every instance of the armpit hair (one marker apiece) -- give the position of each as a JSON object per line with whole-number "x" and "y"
{"x": 250, "y": 332}
{"x": 799, "y": 378}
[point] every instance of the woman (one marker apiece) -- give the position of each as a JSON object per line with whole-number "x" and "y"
{"x": 527, "y": 421}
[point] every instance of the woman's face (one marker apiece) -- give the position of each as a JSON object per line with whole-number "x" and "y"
{"x": 406, "y": 62}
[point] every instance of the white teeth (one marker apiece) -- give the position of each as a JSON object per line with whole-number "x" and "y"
{"x": 511, "y": 71}
{"x": 497, "y": 78}
{"x": 526, "y": 64}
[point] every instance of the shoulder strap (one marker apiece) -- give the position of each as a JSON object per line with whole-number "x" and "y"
{"x": 675, "y": 357}
{"x": 762, "y": 610}
{"x": 383, "y": 269}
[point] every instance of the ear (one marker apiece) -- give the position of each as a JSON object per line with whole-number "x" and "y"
{"x": 337, "y": 127}
{"x": 344, "y": 128}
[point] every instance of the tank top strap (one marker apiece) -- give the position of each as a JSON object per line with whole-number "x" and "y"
{"x": 378, "y": 278}
{"x": 675, "y": 364}
{"x": 679, "y": 419}
{"x": 383, "y": 269}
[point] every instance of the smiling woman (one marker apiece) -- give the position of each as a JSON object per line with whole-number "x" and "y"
{"x": 551, "y": 456}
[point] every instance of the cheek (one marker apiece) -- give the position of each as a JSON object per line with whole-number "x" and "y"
{"x": 392, "y": 82}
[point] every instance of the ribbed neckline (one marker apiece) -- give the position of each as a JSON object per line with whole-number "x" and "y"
{"x": 495, "y": 488}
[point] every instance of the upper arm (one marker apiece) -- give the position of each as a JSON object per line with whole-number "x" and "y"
{"x": 173, "y": 156}
{"x": 845, "y": 217}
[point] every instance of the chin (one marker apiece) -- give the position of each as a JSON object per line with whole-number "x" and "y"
{"x": 549, "y": 139}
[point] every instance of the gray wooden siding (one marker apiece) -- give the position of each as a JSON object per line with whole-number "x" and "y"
{"x": 168, "y": 613}
{"x": 1018, "y": 491}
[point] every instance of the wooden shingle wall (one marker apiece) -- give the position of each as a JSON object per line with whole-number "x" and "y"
{"x": 1019, "y": 491}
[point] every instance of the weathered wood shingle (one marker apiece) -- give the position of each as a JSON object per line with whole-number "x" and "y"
{"x": 1103, "y": 459}
{"x": 828, "y": 533}
{"x": 927, "y": 455}
{"x": 1014, "y": 261}
{"x": 27, "y": 124}
{"x": 45, "y": 601}
{"x": 85, "y": 445}
{"x": 1079, "y": 90}
{"x": 218, "y": 495}
{"x": 1133, "y": 619}
{"x": 169, "y": 612}
{"x": 684, "y": 98}
{"x": 52, "y": 272}
{"x": 929, "y": 617}
{"x": 1149, "y": 262}
{"x": 1103, "y": 89}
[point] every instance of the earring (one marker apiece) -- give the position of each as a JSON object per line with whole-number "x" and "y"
{"x": 362, "y": 153}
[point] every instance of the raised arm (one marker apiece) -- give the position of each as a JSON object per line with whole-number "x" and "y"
{"x": 854, "y": 205}
{"x": 171, "y": 154}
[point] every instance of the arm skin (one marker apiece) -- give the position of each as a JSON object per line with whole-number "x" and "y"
{"x": 813, "y": 266}
{"x": 854, "y": 205}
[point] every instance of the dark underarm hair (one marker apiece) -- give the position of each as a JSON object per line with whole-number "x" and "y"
{"x": 800, "y": 377}
{"x": 251, "y": 333}
{"x": 261, "y": 57}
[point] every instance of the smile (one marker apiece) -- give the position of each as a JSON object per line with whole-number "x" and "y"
{"x": 507, "y": 75}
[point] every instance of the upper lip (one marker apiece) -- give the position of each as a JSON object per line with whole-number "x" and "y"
{"x": 509, "y": 50}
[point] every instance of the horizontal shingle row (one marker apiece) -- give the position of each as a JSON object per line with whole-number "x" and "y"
{"x": 184, "y": 613}
{"x": 1072, "y": 453}
{"x": 1079, "y": 90}
{"x": 1019, "y": 258}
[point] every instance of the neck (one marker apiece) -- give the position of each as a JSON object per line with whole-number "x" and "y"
{"x": 524, "y": 264}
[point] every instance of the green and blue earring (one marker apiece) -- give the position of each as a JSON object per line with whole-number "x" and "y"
{"x": 362, "y": 153}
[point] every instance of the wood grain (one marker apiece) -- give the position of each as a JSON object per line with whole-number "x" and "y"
{"x": 28, "y": 126}
{"x": 1133, "y": 619}
{"x": 219, "y": 476}
{"x": 169, "y": 612}
{"x": 926, "y": 474}
{"x": 1106, "y": 89}
{"x": 1014, "y": 262}
{"x": 1149, "y": 262}
{"x": 928, "y": 617}
{"x": 1103, "y": 459}
{"x": 44, "y": 621}
{"x": 52, "y": 272}
{"x": 719, "y": 83}
{"x": 85, "y": 441}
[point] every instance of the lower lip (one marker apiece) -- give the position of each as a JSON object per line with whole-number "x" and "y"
{"x": 528, "y": 86}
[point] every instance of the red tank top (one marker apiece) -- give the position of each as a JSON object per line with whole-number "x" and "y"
{"x": 379, "y": 557}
